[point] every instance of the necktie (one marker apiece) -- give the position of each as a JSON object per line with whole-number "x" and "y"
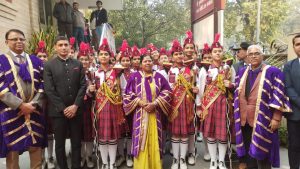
{"x": 23, "y": 71}
{"x": 20, "y": 59}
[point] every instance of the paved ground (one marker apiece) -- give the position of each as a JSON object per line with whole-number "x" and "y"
{"x": 167, "y": 161}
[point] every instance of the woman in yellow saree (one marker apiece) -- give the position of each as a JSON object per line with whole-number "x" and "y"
{"x": 148, "y": 97}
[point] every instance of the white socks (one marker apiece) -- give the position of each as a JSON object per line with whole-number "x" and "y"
{"x": 108, "y": 150}
{"x": 112, "y": 151}
{"x": 212, "y": 148}
{"x": 183, "y": 148}
{"x": 222, "y": 151}
{"x": 175, "y": 147}
{"x": 179, "y": 146}
{"x": 104, "y": 153}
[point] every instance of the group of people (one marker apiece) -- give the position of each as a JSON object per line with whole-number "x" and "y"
{"x": 71, "y": 22}
{"x": 146, "y": 96}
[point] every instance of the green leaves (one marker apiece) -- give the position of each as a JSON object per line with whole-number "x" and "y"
{"x": 243, "y": 14}
{"x": 158, "y": 21}
{"x": 48, "y": 35}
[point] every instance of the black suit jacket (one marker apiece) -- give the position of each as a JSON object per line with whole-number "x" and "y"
{"x": 292, "y": 83}
{"x": 237, "y": 66}
{"x": 100, "y": 15}
{"x": 65, "y": 85}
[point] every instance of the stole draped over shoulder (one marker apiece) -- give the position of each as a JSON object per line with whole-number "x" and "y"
{"x": 108, "y": 105}
{"x": 19, "y": 132}
{"x": 182, "y": 114}
{"x": 182, "y": 94}
{"x": 271, "y": 96}
{"x": 137, "y": 89}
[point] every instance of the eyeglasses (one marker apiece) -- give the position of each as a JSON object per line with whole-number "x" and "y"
{"x": 254, "y": 54}
{"x": 17, "y": 39}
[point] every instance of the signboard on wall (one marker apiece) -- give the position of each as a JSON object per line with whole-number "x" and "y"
{"x": 207, "y": 20}
{"x": 201, "y": 8}
{"x": 204, "y": 31}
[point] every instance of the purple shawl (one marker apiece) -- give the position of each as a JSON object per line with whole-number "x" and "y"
{"x": 138, "y": 88}
{"x": 17, "y": 134}
{"x": 271, "y": 95}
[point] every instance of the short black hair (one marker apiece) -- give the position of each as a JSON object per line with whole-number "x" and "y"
{"x": 295, "y": 37}
{"x": 13, "y": 30}
{"x": 75, "y": 3}
{"x": 59, "y": 38}
{"x": 143, "y": 56}
{"x": 99, "y": 2}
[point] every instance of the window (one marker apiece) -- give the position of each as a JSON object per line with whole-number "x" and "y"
{"x": 45, "y": 9}
{"x": 42, "y": 12}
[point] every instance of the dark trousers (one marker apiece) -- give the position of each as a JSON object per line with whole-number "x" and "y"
{"x": 264, "y": 164}
{"x": 65, "y": 29}
{"x": 95, "y": 41}
{"x": 293, "y": 128}
{"x": 87, "y": 39}
{"x": 247, "y": 134}
{"x": 251, "y": 162}
{"x": 78, "y": 33}
{"x": 61, "y": 127}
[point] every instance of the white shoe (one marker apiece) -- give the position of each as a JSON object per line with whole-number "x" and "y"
{"x": 82, "y": 162}
{"x": 113, "y": 166}
{"x": 129, "y": 161}
{"x": 104, "y": 166}
{"x": 206, "y": 157}
{"x": 200, "y": 137}
{"x": 183, "y": 164}
{"x": 120, "y": 160}
{"x": 191, "y": 159}
{"x": 175, "y": 164}
{"x": 89, "y": 162}
{"x": 213, "y": 165}
{"x": 50, "y": 163}
{"x": 222, "y": 165}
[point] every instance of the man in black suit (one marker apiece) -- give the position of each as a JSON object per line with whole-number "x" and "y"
{"x": 99, "y": 17}
{"x": 241, "y": 53}
{"x": 63, "y": 12}
{"x": 65, "y": 87}
{"x": 292, "y": 83}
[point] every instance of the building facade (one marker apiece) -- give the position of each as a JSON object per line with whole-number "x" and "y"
{"x": 21, "y": 14}
{"x": 33, "y": 15}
